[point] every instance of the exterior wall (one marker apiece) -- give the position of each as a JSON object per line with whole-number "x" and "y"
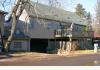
{"x": 53, "y": 46}
{"x": 25, "y": 46}
{"x": 40, "y": 29}
{"x": 80, "y": 31}
{"x": 37, "y": 28}
{"x": 2, "y": 18}
{"x": 23, "y": 22}
{"x": 32, "y": 28}
{"x": 85, "y": 43}
{"x": 63, "y": 46}
{"x": 83, "y": 37}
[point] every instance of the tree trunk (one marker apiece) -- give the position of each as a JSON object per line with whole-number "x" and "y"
{"x": 16, "y": 12}
{"x": 12, "y": 32}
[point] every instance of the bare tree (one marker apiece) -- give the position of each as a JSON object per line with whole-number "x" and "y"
{"x": 96, "y": 25}
{"x": 54, "y": 3}
{"x": 15, "y": 14}
{"x": 98, "y": 11}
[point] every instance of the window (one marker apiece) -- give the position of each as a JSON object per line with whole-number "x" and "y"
{"x": 17, "y": 32}
{"x": 18, "y": 44}
{"x": 78, "y": 28}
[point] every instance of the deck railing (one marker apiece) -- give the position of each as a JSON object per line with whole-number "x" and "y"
{"x": 68, "y": 33}
{"x": 62, "y": 32}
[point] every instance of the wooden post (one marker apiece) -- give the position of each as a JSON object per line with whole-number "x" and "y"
{"x": 48, "y": 46}
{"x": 55, "y": 37}
{"x": 55, "y": 44}
{"x": 2, "y": 40}
{"x": 70, "y": 39}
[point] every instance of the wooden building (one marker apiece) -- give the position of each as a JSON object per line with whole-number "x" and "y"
{"x": 47, "y": 27}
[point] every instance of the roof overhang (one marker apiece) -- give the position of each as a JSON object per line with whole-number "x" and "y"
{"x": 3, "y": 12}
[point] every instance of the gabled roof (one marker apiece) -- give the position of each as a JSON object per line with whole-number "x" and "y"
{"x": 19, "y": 35}
{"x": 44, "y": 11}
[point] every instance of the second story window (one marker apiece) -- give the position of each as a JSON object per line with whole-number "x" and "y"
{"x": 78, "y": 28}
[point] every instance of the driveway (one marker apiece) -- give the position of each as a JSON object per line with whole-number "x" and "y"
{"x": 40, "y": 59}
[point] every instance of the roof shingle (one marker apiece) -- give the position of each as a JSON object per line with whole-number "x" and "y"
{"x": 44, "y": 11}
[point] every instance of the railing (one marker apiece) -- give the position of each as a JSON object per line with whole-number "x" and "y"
{"x": 70, "y": 33}
{"x": 62, "y": 33}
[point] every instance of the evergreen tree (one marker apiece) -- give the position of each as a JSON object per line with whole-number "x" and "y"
{"x": 88, "y": 17}
{"x": 80, "y": 11}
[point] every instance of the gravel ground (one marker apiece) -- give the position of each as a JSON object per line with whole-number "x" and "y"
{"x": 41, "y": 59}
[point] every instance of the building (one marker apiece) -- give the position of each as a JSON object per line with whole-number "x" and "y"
{"x": 20, "y": 42}
{"x": 48, "y": 28}
{"x": 2, "y": 19}
{"x": 96, "y": 37}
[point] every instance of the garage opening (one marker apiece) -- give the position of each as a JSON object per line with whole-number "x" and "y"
{"x": 38, "y": 45}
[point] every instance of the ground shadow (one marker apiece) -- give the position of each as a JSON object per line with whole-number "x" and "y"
{"x": 8, "y": 55}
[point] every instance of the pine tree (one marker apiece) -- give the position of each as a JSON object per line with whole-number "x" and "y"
{"x": 88, "y": 17}
{"x": 80, "y": 11}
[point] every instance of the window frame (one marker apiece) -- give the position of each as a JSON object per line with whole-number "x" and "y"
{"x": 18, "y": 45}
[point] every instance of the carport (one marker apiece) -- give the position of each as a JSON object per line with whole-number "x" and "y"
{"x": 38, "y": 45}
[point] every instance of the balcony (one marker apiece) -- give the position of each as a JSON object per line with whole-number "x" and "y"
{"x": 63, "y": 33}
{"x": 70, "y": 33}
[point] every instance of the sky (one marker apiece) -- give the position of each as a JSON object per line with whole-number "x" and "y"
{"x": 69, "y": 5}
{"x": 89, "y": 5}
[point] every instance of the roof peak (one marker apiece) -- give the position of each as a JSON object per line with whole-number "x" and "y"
{"x": 52, "y": 13}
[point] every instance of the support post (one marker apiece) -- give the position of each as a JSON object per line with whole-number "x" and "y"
{"x": 70, "y": 39}
{"x": 48, "y": 46}
{"x": 2, "y": 43}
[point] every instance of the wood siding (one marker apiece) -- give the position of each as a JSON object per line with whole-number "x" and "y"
{"x": 25, "y": 46}
{"x": 2, "y": 18}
